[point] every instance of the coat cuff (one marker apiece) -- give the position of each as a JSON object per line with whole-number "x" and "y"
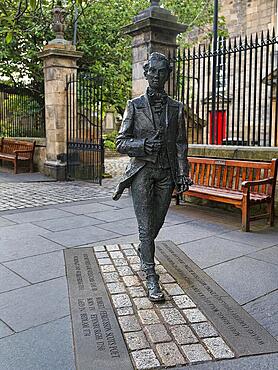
{"x": 137, "y": 148}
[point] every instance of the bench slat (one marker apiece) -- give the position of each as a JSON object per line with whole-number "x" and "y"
{"x": 231, "y": 177}
{"x": 17, "y": 150}
{"x": 221, "y": 180}
{"x": 224, "y": 180}
{"x": 197, "y": 173}
{"x": 237, "y": 177}
{"x": 250, "y": 174}
{"x": 231, "y": 162}
{"x": 265, "y": 175}
{"x": 218, "y": 176}
{"x": 257, "y": 177}
{"x": 227, "y": 193}
{"x": 206, "y": 183}
{"x": 201, "y": 182}
{"x": 192, "y": 167}
{"x": 213, "y": 176}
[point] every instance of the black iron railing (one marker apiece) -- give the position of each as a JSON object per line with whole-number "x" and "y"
{"x": 240, "y": 106}
{"x": 21, "y": 113}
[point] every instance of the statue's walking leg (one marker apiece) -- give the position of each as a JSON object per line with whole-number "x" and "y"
{"x": 151, "y": 193}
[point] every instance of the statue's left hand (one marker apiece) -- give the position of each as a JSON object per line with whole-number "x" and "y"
{"x": 183, "y": 183}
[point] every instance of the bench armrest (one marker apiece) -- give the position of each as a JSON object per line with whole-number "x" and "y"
{"x": 248, "y": 184}
{"x": 23, "y": 151}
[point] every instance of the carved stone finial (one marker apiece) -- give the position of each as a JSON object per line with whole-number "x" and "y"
{"x": 58, "y": 24}
{"x": 155, "y": 3}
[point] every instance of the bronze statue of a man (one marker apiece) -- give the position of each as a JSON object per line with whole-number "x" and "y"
{"x": 153, "y": 135}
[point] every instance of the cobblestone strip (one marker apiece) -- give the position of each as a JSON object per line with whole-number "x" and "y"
{"x": 116, "y": 166}
{"x": 29, "y": 195}
{"x": 157, "y": 335}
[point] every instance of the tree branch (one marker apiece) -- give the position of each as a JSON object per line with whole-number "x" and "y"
{"x": 20, "y": 12}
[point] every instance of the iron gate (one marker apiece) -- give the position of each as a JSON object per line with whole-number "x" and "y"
{"x": 85, "y": 149}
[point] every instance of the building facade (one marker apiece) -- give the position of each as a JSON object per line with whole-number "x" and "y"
{"x": 245, "y": 17}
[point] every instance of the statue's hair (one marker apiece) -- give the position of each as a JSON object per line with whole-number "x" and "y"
{"x": 158, "y": 57}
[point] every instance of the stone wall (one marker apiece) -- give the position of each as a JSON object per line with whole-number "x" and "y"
{"x": 244, "y": 17}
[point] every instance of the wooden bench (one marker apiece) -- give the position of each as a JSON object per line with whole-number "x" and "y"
{"x": 17, "y": 151}
{"x": 237, "y": 182}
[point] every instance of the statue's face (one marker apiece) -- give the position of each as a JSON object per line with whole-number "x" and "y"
{"x": 157, "y": 74}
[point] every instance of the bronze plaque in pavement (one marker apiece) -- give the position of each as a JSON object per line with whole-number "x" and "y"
{"x": 98, "y": 341}
{"x": 240, "y": 330}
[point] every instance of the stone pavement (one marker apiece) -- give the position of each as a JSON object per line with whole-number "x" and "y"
{"x": 26, "y": 190}
{"x": 35, "y": 327}
{"x": 115, "y": 166}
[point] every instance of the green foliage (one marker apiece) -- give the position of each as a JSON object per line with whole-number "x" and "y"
{"x": 26, "y": 25}
{"x": 196, "y": 15}
{"x": 112, "y": 135}
{"x": 107, "y": 51}
{"x": 110, "y": 140}
{"x": 109, "y": 145}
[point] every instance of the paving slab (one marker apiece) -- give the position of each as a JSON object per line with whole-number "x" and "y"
{"x": 268, "y": 255}
{"x": 215, "y": 227}
{"x": 265, "y": 311}
{"x": 114, "y": 215}
{"x": 213, "y": 250}
{"x": 9, "y": 280}
{"x": 39, "y": 268}
{"x": 34, "y": 305}
{"x": 262, "y": 362}
{"x": 68, "y": 223}
{"x": 45, "y": 347}
{"x": 83, "y": 209}
{"x": 121, "y": 240}
{"x": 5, "y": 331}
{"x": 123, "y": 202}
{"x": 19, "y": 231}
{"x": 84, "y": 235}
{"x": 262, "y": 239}
{"x": 186, "y": 232}
{"x": 174, "y": 218}
{"x": 254, "y": 278}
{"x": 17, "y": 246}
{"x": 5, "y": 222}
{"x": 37, "y": 215}
{"x": 122, "y": 227}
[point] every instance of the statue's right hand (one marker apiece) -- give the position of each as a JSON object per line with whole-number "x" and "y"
{"x": 153, "y": 144}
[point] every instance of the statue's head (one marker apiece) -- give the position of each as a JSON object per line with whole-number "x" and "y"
{"x": 157, "y": 71}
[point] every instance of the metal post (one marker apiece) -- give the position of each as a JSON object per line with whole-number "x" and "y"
{"x": 75, "y": 25}
{"x": 214, "y": 67}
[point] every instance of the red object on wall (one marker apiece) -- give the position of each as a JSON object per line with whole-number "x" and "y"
{"x": 219, "y": 127}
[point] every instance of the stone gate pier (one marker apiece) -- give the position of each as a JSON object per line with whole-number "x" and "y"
{"x": 59, "y": 60}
